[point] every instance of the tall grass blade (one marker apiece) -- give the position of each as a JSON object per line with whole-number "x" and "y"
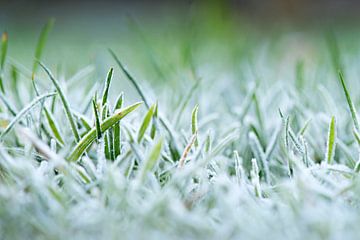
{"x": 64, "y": 101}
{"x": 107, "y": 87}
{"x": 117, "y": 127}
{"x": 131, "y": 79}
{"x": 41, "y": 44}
{"x": 4, "y": 48}
{"x": 350, "y": 103}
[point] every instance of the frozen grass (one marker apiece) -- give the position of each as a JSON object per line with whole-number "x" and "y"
{"x": 236, "y": 139}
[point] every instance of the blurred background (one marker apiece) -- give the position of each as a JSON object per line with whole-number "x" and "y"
{"x": 169, "y": 39}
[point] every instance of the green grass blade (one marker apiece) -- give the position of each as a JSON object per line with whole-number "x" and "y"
{"x": 53, "y": 126}
{"x": 4, "y": 47}
{"x": 107, "y": 87}
{"x": 331, "y": 142}
{"x": 107, "y": 151}
{"x": 350, "y": 103}
{"x": 145, "y": 123}
{"x": 154, "y": 122}
{"x": 89, "y": 138}
{"x": 117, "y": 127}
{"x": 8, "y": 105}
{"x": 357, "y": 137}
{"x": 194, "y": 124}
{"x": 97, "y": 120}
{"x": 131, "y": 79}
{"x": 64, "y": 101}
{"x": 23, "y": 112}
{"x": 152, "y": 159}
{"x": 41, "y": 44}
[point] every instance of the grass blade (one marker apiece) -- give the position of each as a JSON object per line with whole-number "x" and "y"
{"x": 107, "y": 87}
{"x": 145, "y": 123}
{"x": 154, "y": 122}
{"x": 350, "y": 103}
{"x": 23, "y": 112}
{"x": 41, "y": 44}
{"x": 194, "y": 123}
{"x": 255, "y": 177}
{"x": 152, "y": 159}
{"x": 64, "y": 101}
{"x": 186, "y": 151}
{"x": 97, "y": 120}
{"x": 117, "y": 128}
{"x": 130, "y": 77}
{"x": 89, "y": 138}
{"x": 53, "y": 126}
{"x": 331, "y": 142}
{"x": 4, "y": 47}
{"x": 8, "y": 105}
{"x": 105, "y": 114}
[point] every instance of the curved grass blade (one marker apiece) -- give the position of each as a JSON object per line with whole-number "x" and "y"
{"x": 145, "y": 123}
{"x": 194, "y": 124}
{"x": 23, "y": 112}
{"x": 331, "y": 142}
{"x": 350, "y": 103}
{"x": 89, "y": 138}
{"x": 152, "y": 159}
{"x": 107, "y": 87}
{"x": 53, "y": 126}
{"x": 41, "y": 44}
{"x": 64, "y": 101}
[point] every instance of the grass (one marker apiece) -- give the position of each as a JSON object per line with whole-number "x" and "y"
{"x": 236, "y": 137}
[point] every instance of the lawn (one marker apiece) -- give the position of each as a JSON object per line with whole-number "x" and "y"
{"x": 211, "y": 127}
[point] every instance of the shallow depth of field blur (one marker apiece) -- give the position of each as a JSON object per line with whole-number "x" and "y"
{"x": 181, "y": 120}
